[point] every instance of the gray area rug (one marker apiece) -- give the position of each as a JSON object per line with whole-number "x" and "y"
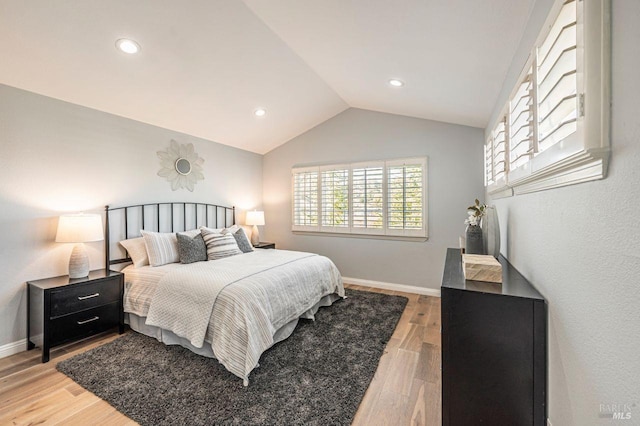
{"x": 318, "y": 376}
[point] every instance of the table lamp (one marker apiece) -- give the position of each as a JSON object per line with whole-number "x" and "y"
{"x": 255, "y": 218}
{"x": 79, "y": 228}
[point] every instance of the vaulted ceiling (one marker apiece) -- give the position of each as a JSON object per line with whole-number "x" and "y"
{"x": 206, "y": 65}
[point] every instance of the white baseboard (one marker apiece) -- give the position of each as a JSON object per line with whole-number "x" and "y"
{"x": 13, "y": 348}
{"x": 392, "y": 286}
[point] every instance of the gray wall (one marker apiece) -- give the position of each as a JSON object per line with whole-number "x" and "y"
{"x": 58, "y": 157}
{"x": 580, "y": 246}
{"x": 455, "y": 180}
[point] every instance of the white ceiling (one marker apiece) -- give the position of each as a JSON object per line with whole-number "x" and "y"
{"x": 206, "y": 65}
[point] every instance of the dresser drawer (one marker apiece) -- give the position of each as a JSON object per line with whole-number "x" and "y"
{"x": 75, "y": 298}
{"x": 85, "y": 323}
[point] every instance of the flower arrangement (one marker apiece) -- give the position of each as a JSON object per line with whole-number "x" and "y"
{"x": 475, "y": 213}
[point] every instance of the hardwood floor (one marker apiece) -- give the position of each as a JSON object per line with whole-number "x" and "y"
{"x": 404, "y": 391}
{"x": 406, "y": 388}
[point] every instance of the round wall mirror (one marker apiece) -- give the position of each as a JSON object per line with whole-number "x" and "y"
{"x": 183, "y": 166}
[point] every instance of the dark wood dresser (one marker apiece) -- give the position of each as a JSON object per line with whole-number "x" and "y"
{"x": 494, "y": 349}
{"x": 62, "y": 310}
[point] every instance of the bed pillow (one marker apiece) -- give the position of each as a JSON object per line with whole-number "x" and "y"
{"x": 161, "y": 247}
{"x": 243, "y": 242}
{"x": 137, "y": 251}
{"x": 192, "y": 233}
{"x": 191, "y": 249}
{"x": 212, "y": 230}
{"x": 219, "y": 245}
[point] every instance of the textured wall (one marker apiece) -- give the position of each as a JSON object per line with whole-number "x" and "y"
{"x": 455, "y": 179}
{"x": 580, "y": 246}
{"x": 58, "y": 157}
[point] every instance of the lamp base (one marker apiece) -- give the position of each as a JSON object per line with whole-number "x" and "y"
{"x": 255, "y": 236}
{"x": 79, "y": 262}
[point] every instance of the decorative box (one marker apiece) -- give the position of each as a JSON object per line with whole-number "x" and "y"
{"x": 480, "y": 267}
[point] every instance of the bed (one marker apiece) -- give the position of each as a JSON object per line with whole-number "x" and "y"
{"x": 232, "y": 308}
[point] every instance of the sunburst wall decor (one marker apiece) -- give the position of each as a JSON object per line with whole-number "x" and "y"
{"x": 181, "y": 166}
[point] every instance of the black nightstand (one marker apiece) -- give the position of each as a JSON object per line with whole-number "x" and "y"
{"x": 61, "y": 310}
{"x": 265, "y": 245}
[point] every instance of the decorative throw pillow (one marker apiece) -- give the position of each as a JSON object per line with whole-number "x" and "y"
{"x": 243, "y": 242}
{"x": 214, "y": 230}
{"x": 161, "y": 247}
{"x": 191, "y": 249}
{"x": 219, "y": 245}
{"x": 137, "y": 251}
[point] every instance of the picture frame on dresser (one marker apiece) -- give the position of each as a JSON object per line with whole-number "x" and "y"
{"x": 62, "y": 310}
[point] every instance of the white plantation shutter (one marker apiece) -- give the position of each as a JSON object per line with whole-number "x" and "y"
{"x": 500, "y": 151}
{"x": 305, "y": 199}
{"x": 384, "y": 198}
{"x": 334, "y": 199}
{"x": 406, "y": 185}
{"x": 521, "y": 122}
{"x": 558, "y": 115}
{"x": 488, "y": 162}
{"x": 367, "y": 202}
{"x": 557, "y": 79}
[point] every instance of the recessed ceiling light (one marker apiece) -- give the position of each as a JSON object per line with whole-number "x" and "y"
{"x": 396, "y": 83}
{"x": 260, "y": 112}
{"x": 128, "y": 46}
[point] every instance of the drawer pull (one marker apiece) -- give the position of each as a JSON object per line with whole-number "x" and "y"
{"x": 91, "y": 296}
{"x": 89, "y": 320}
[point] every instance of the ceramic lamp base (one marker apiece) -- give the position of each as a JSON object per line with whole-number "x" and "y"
{"x": 255, "y": 236}
{"x": 79, "y": 262}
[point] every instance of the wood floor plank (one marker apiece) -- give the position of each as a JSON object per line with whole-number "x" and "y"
{"x": 39, "y": 406}
{"x": 405, "y": 389}
{"x": 414, "y": 338}
{"x": 404, "y": 368}
{"x": 93, "y": 413}
{"x": 64, "y": 410}
{"x": 428, "y": 367}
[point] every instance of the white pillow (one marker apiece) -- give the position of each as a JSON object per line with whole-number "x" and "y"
{"x": 137, "y": 251}
{"x": 219, "y": 245}
{"x": 162, "y": 248}
{"x": 212, "y": 230}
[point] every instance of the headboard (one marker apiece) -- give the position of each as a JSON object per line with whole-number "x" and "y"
{"x": 127, "y": 221}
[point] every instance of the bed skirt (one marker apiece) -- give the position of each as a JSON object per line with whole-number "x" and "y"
{"x": 137, "y": 323}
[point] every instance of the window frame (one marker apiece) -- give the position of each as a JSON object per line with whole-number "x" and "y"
{"x": 381, "y": 233}
{"x": 583, "y": 155}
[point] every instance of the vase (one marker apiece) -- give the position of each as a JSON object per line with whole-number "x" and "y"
{"x": 473, "y": 237}
{"x": 491, "y": 232}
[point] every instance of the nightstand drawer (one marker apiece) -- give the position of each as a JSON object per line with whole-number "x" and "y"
{"x": 75, "y": 298}
{"x": 85, "y": 323}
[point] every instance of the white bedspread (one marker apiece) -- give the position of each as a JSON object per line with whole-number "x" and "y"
{"x": 238, "y": 303}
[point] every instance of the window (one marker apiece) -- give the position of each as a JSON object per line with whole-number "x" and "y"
{"x": 383, "y": 198}
{"x": 305, "y": 199}
{"x": 521, "y": 122}
{"x": 496, "y": 157}
{"x": 334, "y": 199}
{"x": 557, "y": 117}
{"x": 367, "y": 198}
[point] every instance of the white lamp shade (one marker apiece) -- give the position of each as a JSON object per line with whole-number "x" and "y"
{"x": 79, "y": 228}
{"x": 255, "y": 218}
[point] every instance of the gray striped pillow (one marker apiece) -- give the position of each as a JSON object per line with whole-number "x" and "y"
{"x": 219, "y": 245}
{"x": 161, "y": 247}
